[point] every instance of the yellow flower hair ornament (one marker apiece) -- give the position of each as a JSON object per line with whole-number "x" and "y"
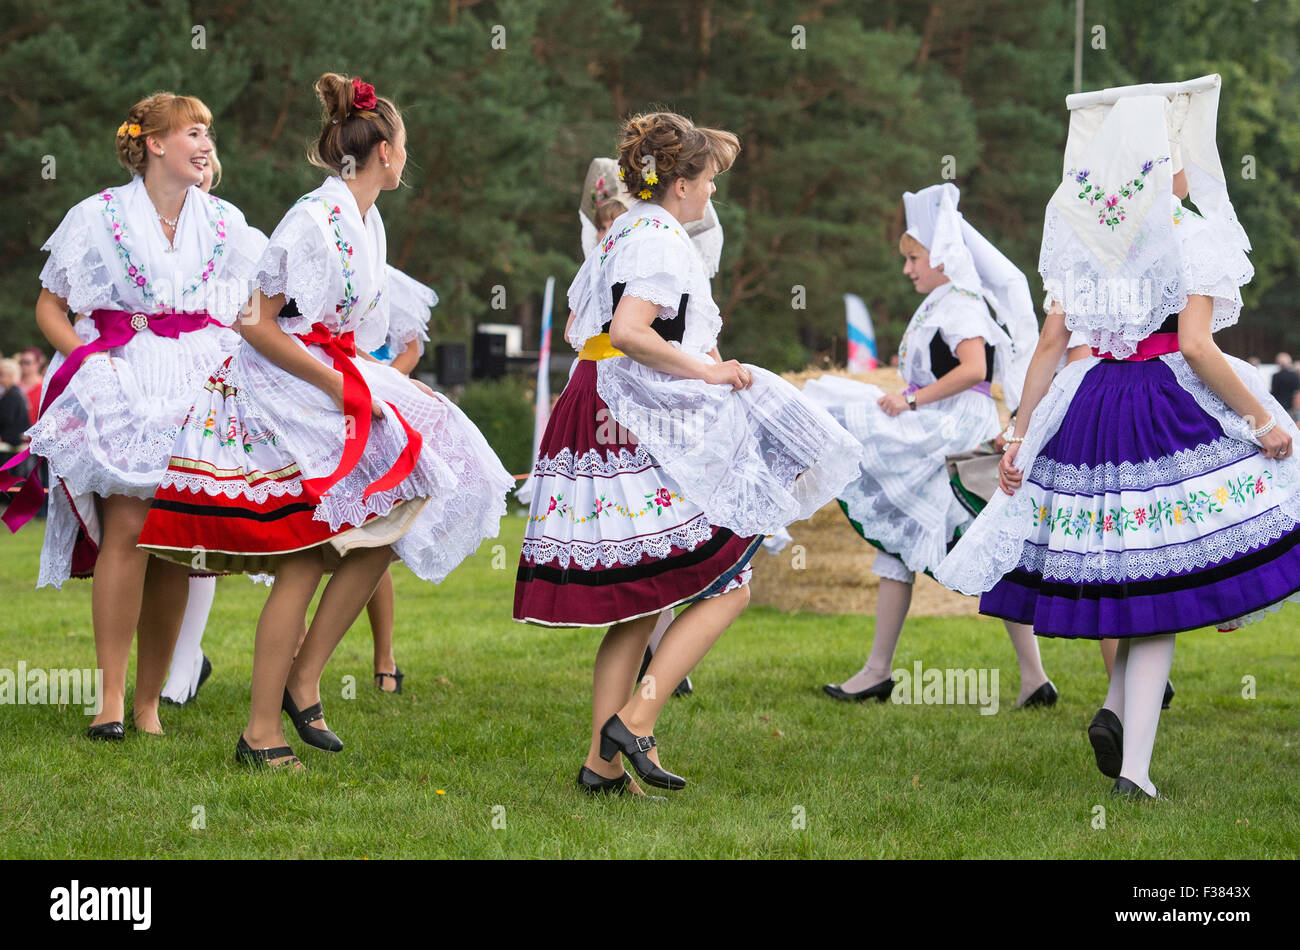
{"x": 644, "y": 194}
{"x": 132, "y": 130}
{"x": 651, "y": 178}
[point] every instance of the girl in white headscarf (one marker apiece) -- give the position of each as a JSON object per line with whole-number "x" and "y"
{"x": 1150, "y": 488}
{"x": 952, "y": 350}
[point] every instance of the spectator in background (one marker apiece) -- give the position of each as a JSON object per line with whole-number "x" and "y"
{"x": 13, "y": 410}
{"x": 1286, "y": 383}
{"x": 31, "y": 366}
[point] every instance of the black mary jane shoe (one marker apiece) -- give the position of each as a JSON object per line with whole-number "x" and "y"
{"x": 107, "y": 732}
{"x": 595, "y": 784}
{"x": 396, "y": 677}
{"x": 261, "y": 758}
{"x": 1107, "y": 737}
{"x": 1045, "y": 695}
{"x": 616, "y": 737}
{"x": 880, "y": 692}
{"x": 1169, "y": 695}
{"x": 204, "y": 672}
{"x": 302, "y": 720}
{"x": 1131, "y": 790}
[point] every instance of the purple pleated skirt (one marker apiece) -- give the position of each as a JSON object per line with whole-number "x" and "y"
{"x": 1146, "y": 517}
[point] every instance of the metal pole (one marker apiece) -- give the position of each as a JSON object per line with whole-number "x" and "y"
{"x": 1078, "y": 45}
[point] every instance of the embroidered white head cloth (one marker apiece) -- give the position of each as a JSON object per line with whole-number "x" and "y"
{"x": 1109, "y": 252}
{"x": 971, "y": 261}
{"x": 602, "y": 182}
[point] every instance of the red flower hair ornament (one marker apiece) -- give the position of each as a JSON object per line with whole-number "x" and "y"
{"x": 363, "y": 96}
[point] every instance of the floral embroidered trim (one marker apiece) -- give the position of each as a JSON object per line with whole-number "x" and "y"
{"x": 918, "y": 320}
{"x": 334, "y": 214}
{"x": 1187, "y": 463}
{"x": 1112, "y": 212}
{"x": 1146, "y": 563}
{"x": 660, "y": 500}
{"x": 641, "y": 222}
{"x": 1078, "y": 521}
{"x": 135, "y": 270}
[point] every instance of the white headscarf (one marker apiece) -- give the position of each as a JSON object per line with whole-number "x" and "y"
{"x": 1109, "y": 253}
{"x": 970, "y": 261}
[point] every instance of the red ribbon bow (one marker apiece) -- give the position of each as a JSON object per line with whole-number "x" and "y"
{"x": 356, "y": 406}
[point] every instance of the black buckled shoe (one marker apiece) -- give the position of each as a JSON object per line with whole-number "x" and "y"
{"x": 616, "y": 737}
{"x": 204, "y": 672}
{"x": 1046, "y": 695}
{"x": 1107, "y": 737}
{"x": 396, "y": 676}
{"x": 1169, "y": 695}
{"x": 261, "y": 758}
{"x": 881, "y": 692}
{"x": 596, "y": 784}
{"x": 302, "y": 720}
{"x": 107, "y": 732}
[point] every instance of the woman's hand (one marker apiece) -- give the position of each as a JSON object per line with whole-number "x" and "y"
{"x": 336, "y": 393}
{"x": 893, "y": 404}
{"x": 1276, "y": 443}
{"x": 422, "y": 387}
{"x": 999, "y": 442}
{"x": 1009, "y": 476}
{"x": 730, "y": 373}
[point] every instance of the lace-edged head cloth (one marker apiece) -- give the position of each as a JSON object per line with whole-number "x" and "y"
{"x": 971, "y": 262}
{"x": 1110, "y": 255}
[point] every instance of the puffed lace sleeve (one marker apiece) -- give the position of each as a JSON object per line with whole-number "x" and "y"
{"x": 964, "y": 316}
{"x": 81, "y": 268}
{"x": 655, "y": 265}
{"x": 297, "y": 263}
{"x": 410, "y": 305}
{"x": 244, "y": 247}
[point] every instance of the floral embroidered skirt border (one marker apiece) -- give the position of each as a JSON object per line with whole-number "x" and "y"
{"x": 609, "y": 536}
{"x": 1144, "y": 517}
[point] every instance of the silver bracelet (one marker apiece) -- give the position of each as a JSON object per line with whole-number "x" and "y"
{"x": 1263, "y": 430}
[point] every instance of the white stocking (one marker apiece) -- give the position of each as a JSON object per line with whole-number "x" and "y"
{"x": 1027, "y": 655}
{"x": 892, "y": 603}
{"x": 187, "y": 658}
{"x": 1145, "y": 673}
{"x": 1115, "y": 692}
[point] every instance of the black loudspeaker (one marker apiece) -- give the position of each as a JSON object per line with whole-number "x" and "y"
{"x": 489, "y": 355}
{"x": 449, "y": 363}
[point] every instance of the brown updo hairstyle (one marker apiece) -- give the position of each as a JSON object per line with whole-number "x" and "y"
{"x": 346, "y": 130}
{"x": 681, "y": 149}
{"x": 159, "y": 114}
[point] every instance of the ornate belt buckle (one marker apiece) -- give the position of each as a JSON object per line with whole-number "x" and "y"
{"x": 139, "y": 322}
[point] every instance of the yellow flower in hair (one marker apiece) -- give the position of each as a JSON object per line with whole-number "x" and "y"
{"x": 644, "y": 194}
{"x": 620, "y": 173}
{"x": 121, "y": 129}
{"x": 651, "y": 178}
{"x": 133, "y": 131}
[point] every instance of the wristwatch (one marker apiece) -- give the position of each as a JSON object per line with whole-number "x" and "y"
{"x": 911, "y": 399}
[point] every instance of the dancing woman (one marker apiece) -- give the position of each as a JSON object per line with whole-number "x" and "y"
{"x": 661, "y": 466}
{"x": 1151, "y": 488}
{"x": 157, "y": 271}
{"x": 952, "y": 350}
{"x": 302, "y": 456}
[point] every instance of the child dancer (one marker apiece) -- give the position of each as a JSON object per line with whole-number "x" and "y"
{"x": 662, "y": 466}
{"x": 1150, "y": 488}
{"x": 903, "y": 502}
{"x": 158, "y": 271}
{"x": 302, "y": 456}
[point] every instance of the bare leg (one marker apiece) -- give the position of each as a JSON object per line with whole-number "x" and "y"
{"x": 689, "y": 638}
{"x": 166, "y": 590}
{"x": 1145, "y": 675}
{"x": 614, "y": 677}
{"x": 345, "y": 596}
{"x": 1108, "y": 647}
{"x": 892, "y": 603}
{"x": 380, "y": 611}
{"x": 116, "y": 594}
{"x": 1027, "y": 655}
{"x": 296, "y": 580}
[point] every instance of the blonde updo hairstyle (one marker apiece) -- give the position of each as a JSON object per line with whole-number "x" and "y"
{"x": 681, "y": 149}
{"x": 346, "y": 130}
{"x": 156, "y": 115}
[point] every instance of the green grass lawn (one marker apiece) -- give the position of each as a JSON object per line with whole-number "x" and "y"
{"x": 494, "y": 722}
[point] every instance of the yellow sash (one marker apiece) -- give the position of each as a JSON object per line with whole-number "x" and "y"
{"x": 598, "y": 347}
